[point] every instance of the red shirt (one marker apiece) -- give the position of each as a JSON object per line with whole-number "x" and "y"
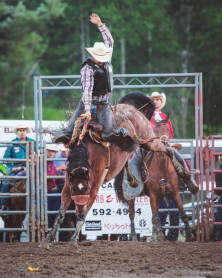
{"x": 51, "y": 171}
{"x": 162, "y": 116}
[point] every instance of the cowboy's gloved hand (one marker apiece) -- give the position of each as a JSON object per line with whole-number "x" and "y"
{"x": 95, "y": 19}
{"x": 87, "y": 114}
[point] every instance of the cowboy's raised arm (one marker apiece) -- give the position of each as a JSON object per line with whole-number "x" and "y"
{"x": 107, "y": 37}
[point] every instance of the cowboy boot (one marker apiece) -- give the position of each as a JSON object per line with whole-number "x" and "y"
{"x": 187, "y": 177}
{"x": 65, "y": 134}
{"x": 118, "y": 136}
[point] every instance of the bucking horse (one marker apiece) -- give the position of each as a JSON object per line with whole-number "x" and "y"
{"x": 92, "y": 162}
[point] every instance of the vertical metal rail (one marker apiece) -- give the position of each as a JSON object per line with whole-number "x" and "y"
{"x": 200, "y": 101}
{"x": 37, "y": 162}
{"x": 41, "y": 160}
{"x": 27, "y": 182}
{"x": 45, "y": 188}
{"x": 33, "y": 191}
{"x": 197, "y": 152}
{"x": 213, "y": 171}
{"x": 192, "y": 196}
{"x": 206, "y": 158}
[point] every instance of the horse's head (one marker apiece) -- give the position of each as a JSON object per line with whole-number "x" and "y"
{"x": 161, "y": 128}
{"x": 78, "y": 174}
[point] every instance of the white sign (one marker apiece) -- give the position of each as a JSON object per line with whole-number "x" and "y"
{"x": 110, "y": 216}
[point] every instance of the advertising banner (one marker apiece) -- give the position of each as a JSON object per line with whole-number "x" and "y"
{"x": 110, "y": 216}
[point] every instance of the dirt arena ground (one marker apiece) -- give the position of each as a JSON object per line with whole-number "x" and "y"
{"x": 112, "y": 259}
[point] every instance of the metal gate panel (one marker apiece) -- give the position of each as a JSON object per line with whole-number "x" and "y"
{"x": 30, "y": 189}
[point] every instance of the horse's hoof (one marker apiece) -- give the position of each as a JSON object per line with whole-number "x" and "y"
{"x": 160, "y": 238}
{"x": 44, "y": 244}
{"x": 134, "y": 238}
{"x": 74, "y": 242}
{"x": 190, "y": 239}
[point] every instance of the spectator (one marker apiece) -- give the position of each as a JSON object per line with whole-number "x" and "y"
{"x": 16, "y": 151}
{"x": 61, "y": 165}
{"x": 158, "y": 115}
{"x": 51, "y": 150}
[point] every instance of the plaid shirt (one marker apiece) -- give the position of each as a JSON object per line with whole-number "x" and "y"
{"x": 87, "y": 73}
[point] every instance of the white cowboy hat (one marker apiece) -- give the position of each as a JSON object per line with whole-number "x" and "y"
{"x": 100, "y": 52}
{"x": 162, "y": 97}
{"x": 52, "y": 147}
{"x": 21, "y": 126}
{"x": 62, "y": 148}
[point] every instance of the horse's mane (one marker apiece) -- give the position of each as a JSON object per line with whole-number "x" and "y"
{"x": 141, "y": 102}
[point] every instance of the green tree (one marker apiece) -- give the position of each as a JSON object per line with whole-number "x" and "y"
{"x": 22, "y": 44}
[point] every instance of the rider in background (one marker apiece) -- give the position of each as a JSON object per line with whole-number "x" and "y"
{"x": 96, "y": 79}
{"x": 186, "y": 176}
{"x": 158, "y": 115}
{"x": 17, "y": 151}
{"x": 160, "y": 101}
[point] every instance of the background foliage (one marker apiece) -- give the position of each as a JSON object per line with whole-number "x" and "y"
{"x": 49, "y": 37}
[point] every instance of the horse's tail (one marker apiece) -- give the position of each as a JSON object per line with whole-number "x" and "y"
{"x": 118, "y": 181}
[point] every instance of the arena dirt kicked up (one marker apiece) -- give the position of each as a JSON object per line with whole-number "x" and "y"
{"x": 112, "y": 259}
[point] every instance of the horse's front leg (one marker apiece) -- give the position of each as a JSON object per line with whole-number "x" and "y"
{"x": 65, "y": 202}
{"x": 81, "y": 212}
{"x": 131, "y": 204}
{"x": 184, "y": 217}
{"x": 157, "y": 234}
{"x": 11, "y": 237}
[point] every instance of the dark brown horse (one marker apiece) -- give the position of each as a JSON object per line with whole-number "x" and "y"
{"x": 91, "y": 164}
{"x": 15, "y": 204}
